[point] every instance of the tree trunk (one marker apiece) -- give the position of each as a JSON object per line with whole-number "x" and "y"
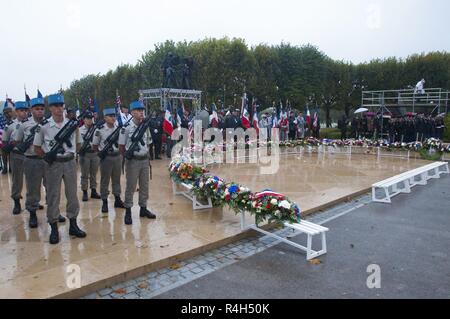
{"x": 328, "y": 120}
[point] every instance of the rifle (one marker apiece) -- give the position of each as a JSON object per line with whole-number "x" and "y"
{"x": 87, "y": 138}
{"x": 111, "y": 140}
{"x": 22, "y": 147}
{"x": 136, "y": 138}
{"x": 63, "y": 137}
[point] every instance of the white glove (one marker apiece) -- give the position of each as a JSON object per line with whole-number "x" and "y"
{"x": 156, "y": 131}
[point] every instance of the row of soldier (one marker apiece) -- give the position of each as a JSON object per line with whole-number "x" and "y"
{"x": 406, "y": 128}
{"x": 45, "y": 151}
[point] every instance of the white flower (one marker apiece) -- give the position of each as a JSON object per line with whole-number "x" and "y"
{"x": 285, "y": 204}
{"x": 201, "y": 184}
{"x": 254, "y": 204}
{"x": 274, "y": 201}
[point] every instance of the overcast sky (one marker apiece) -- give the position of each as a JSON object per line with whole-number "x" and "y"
{"x": 52, "y": 42}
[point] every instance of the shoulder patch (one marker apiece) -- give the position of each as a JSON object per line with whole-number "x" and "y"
{"x": 97, "y": 133}
{"x": 38, "y": 129}
{"x": 17, "y": 126}
{"x": 122, "y": 131}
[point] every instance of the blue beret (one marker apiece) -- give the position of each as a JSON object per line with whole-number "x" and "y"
{"x": 21, "y": 105}
{"x": 39, "y": 101}
{"x": 55, "y": 99}
{"x": 136, "y": 105}
{"x": 109, "y": 111}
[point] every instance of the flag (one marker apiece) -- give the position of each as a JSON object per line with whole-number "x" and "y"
{"x": 167, "y": 124}
{"x": 274, "y": 121}
{"x": 308, "y": 116}
{"x": 191, "y": 128}
{"x": 39, "y": 94}
{"x": 180, "y": 114}
{"x": 269, "y": 192}
{"x": 27, "y": 98}
{"x": 316, "y": 119}
{"x": 256, "y": 122}
{"x": 255, "y": 117}
{"x": 214, "y": 118}
{"x": 118, "y": 111}
{"x": 244, "y": 103}
{"x": 118, "y": 101}
{"x": 90, "y": 104}
{"x": 245, "y": 118}
{"x": 9, "y": 103}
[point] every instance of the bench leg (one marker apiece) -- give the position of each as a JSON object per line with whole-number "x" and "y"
{"x": 388, "y": 197}
{"x": 196, "y": 205}
{"x": 324, "y": 243}
{"x": 435, "y": 173}
{"x": 309, "y": 252}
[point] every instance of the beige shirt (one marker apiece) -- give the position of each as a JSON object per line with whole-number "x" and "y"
{"x": 9, "y": 130}
{"x": 125, "y": 139}
{"x": 45, "y": 137}
{"x": 100, "y": 136}
{"x": 24, "y": 132}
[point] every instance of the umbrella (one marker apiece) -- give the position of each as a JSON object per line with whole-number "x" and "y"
{"x": 361, "y": 110}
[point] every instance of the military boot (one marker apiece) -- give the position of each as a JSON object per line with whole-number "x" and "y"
{"x": 74, "y": 230}
{"x": 54, "y": 235}
{"x": 33, "y": 222}
{"x": 17, "y": 208}
{"x": 128, "y": 218}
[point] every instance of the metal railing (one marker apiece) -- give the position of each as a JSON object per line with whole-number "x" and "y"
{"x": 432, "y": 99}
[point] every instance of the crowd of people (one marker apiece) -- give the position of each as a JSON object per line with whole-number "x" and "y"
{"x": 407, "y": 128}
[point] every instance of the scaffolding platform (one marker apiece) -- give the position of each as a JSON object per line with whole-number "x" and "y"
{"x": 433, "y": 101}
{"x": 166, "y": 94}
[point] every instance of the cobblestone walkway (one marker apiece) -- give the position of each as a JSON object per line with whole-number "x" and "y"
{"x": 163, "y": 280}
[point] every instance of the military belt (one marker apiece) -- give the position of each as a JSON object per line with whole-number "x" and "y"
{"x": 113, "y": 154}
{"x": 34, "y": 157}
{"x": 64, "y": 159}
{"x": 140, "y": 158}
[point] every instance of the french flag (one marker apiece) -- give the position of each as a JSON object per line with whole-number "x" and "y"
{"x": 245, "y": 118}
{"x": 269, "y": 192}
{"x": 167, "y": 124}
{"x": 255, "y": 121}
{"x": 308, "y": 117}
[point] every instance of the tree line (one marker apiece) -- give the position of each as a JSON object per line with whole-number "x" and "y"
{"x": 302, "y": 75}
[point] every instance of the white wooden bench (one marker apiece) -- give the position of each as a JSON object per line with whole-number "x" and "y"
{"x": 187, "y": 192}
{"x": 308, "y": 228}
{"x": 418, "y": 176}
